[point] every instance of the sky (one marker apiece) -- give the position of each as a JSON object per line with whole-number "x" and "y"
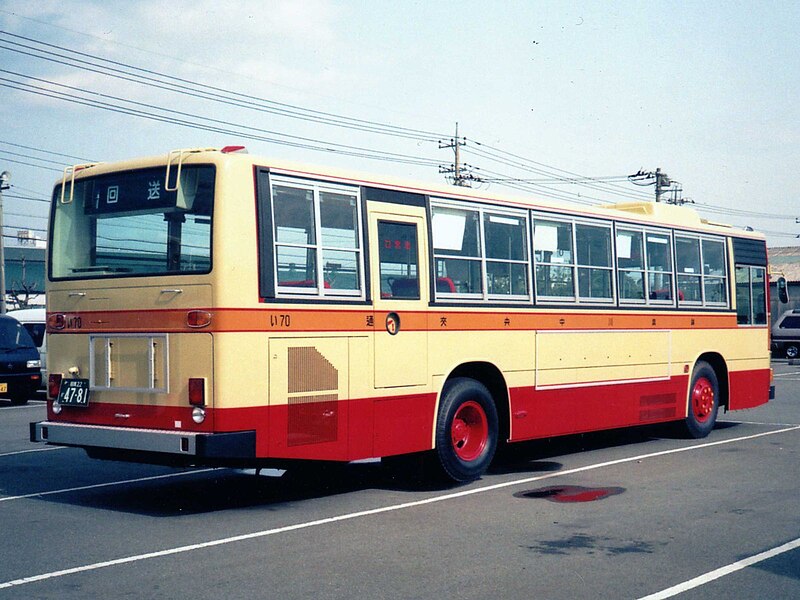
{"x": 556, "y": 100}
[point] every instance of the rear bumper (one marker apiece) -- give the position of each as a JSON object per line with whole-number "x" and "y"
{"x": 233, "y": 445}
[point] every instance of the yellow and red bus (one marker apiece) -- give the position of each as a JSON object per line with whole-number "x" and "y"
{"x": 213, "y": 307}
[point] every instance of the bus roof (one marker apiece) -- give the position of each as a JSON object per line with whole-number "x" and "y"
{"x": 643, "y": 212}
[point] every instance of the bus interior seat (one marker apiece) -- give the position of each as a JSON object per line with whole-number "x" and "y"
{"x": 405, "y": 288}
{"x": 445, "y": 284}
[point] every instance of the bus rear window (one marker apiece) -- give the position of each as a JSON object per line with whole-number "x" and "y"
{"x": 129, "y": 224}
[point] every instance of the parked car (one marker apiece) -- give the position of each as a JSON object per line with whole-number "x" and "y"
{"x": 786, "y": 334}
{"x": 20, "y": 365}
{"x": 35, "y": 321}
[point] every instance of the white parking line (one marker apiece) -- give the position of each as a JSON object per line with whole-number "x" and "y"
{"x": 370, "y": 512}
{"x": 722, "y": 571}
{"x": 34, "y": 450}
{"x": 102, "y": 485}
{"x": 790, "y": 376}
{"x": 764, "y": 423}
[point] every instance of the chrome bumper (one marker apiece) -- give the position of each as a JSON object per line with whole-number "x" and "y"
{"x": 233, "y": 445}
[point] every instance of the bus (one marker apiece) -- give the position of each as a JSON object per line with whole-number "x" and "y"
{"x": 211, "y": 307}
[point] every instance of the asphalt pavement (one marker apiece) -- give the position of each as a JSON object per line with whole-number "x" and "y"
{"x": 632, "y": 514}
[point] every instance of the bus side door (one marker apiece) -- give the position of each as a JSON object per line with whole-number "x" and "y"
{"x": 400, "y": 292}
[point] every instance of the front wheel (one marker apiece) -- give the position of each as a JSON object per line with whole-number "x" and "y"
{"x": 703, "y": 401}
{"x": 466, "y": 430}
{"x": 19, "y": 399}
{"x": 792, "y": 351}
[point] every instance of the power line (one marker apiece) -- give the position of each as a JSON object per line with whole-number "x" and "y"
{"x": 214, "y": 125}
{"x": 739, "y": 212}
{"x": 586, "y": 182}
{"x": 543, "y": 186}
{"x": 27, "y": 164}
{"x": 14, "y": 237}
{"x": 558, "y": 180}
{"x": 28, "y": 156}
{"x": 31, "y": 198}
{"x": 529, "y": 165}
{"x": 8, "y": 213}
{"x": 193, "y": 88}
{"x": 77, "y": 158}
{"x": 16, "y": 186}
{"x": 544, "y": 191}
{"x": 143, "y": 76}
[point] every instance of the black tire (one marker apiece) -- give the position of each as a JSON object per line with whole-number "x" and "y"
{"x": 19, "y": 400}
{"x": 792, "y": 351}
{"x": 702, "y": 401}
{"x": 466, "y": 430}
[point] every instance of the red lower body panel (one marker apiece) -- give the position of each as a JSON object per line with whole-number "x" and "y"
{"x": 563, "y": 411}
{"x": 350, "y": 430}
{"x": 327, "y": 430}
{"x": 365, "y": 428}
{"x": 749, "y": 389}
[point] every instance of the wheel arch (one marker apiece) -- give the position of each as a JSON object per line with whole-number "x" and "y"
{"x": 490, "y": 376}
{"x": 721, "y": 370}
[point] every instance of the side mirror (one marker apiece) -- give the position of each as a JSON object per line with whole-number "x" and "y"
{"x": 783, "y": 290}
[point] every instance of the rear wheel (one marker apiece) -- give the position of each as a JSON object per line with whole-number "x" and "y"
{"x": 466, "y": 430}
{"x": 703, "y": 401}
{"x": 792, "y": 351}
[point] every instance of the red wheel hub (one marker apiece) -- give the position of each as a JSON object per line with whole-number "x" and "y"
{"x": 469, "y": 431}
{"x": 702, "y": 399}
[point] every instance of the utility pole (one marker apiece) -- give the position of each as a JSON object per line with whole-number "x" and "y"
{"x": 5, "y": 177}
{"x": 662, "y": 181}
{"x": 457, "y": 169}
{"x": 659, "y": 183}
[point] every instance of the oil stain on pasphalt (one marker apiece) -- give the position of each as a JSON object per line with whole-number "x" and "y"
{"x": 570, "y": 493}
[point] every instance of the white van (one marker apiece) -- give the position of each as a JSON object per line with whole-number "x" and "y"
{"x": 35, "y": 321}
{"x": 786, "y": 334}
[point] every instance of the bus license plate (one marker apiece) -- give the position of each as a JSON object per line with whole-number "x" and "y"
{"x": 74, "y": 392}
{"x": 3, "y": 388}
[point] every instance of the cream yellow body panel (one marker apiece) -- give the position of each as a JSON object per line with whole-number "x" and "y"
{"x": 584, "y": 357}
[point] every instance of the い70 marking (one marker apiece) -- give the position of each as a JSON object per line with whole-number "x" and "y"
{"x": 280, "y": 321}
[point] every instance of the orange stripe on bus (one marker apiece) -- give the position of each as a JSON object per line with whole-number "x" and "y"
{"x": 327, "y": 320}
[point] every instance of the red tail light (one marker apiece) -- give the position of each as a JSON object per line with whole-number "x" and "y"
{"x": 53, "y": 385}
{"x": 197, "y": 391}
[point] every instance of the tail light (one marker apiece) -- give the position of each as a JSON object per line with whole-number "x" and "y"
{"x": 53, "y": 385}
{"x": 197, "y": 391}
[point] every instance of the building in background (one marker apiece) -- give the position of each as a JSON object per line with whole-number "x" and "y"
{"x": 25, "y": 270}
{"x": 784, "y": 262}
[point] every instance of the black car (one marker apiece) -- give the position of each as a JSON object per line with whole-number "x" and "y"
{"x": 20, "y": 365}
